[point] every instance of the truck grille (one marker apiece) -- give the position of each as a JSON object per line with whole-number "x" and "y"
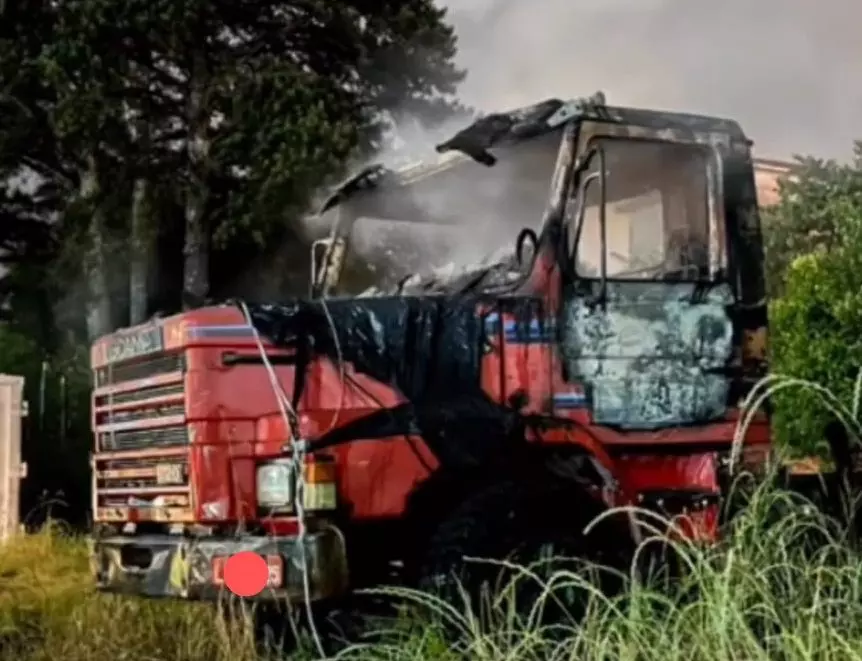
{"x": 117, "y": 477}
{"x": 142, "y": 489}
{"x": 147, "y": 393}
{"x": 151, "y": 416}
{"x": 136, "y": 439}
{"x": 139, "y": 413}
{"x": 143, "y": 368}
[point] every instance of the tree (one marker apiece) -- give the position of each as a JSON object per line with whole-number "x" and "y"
{"x": 812, "y": 213}
{"x": 267, "y": 99}
{"x": 814, "y": 240}
{"x": 55, "y": 139}
{"x": 301, "y": 85}
{"x": 230, "y": 112}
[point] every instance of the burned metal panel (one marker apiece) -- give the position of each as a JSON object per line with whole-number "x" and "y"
{"x": 744, "y": 232}
{"x": 647, "y": 124}
{"x": 422, "y": 346}
{"x": 379, "y": 191}
{"x": 502, "y": 130}
{"x": 517, "y": 125}
{"x": 654, "y": 355}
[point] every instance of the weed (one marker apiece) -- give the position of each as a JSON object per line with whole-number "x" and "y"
{"x": 783, "y": 584}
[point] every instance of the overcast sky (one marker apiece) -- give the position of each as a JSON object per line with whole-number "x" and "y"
{"x": 790, "y": 71}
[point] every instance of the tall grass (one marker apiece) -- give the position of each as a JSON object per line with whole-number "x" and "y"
{"x": 783, "y": 584}
{"x": 49, "y": 612}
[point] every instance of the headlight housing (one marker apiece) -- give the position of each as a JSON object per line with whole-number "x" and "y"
{"x": 275, "y": 484}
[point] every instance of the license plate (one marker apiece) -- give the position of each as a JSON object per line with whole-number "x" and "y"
{"x": 135, "y": 344}
{"x": 274, "y": 563}
{"x": 169, "y": 474}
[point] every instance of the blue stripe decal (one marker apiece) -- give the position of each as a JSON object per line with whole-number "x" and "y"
{"x": 534, "y": 331}
{"x": 236, "y": 330}
{"x": 570, "y": 400}
{"x": 515, "y": 332}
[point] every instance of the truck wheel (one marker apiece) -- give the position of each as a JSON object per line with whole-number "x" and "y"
{"x": 524, "y": 524}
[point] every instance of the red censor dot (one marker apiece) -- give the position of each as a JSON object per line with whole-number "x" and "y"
{"x": 246, "y": 574}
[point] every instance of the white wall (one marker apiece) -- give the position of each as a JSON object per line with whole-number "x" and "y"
{"x": 11, "y": 468}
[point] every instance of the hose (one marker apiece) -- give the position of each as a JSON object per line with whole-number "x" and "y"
{"x": 298, "y": 455}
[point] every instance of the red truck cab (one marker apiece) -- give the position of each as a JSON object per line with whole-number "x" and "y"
{"x": 610, "y": 352}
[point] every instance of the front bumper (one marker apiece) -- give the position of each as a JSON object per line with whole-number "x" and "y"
{"x": 167, "y": 566}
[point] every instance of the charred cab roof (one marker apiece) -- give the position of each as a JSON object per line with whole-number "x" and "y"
{"x": 540, "y": 124}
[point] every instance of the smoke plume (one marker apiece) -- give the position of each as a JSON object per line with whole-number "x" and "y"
{"x": 790, "y": 71}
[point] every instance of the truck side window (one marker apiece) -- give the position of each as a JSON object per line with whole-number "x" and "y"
{"x": 657, "y": 212}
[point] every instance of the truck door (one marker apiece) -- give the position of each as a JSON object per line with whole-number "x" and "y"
{"x": 644, "y": 321}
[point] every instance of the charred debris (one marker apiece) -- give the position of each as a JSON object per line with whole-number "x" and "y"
{"x": 499, "y": 270}
{"x": 424, "y": 337}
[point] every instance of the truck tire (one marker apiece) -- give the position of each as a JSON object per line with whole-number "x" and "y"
{"x": 516, "y": 521}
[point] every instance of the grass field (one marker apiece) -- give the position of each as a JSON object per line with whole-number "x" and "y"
{"x": 760, "y": 595}
{"x": 49, "y": 612}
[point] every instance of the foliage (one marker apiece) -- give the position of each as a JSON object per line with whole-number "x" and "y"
{"x": 814, "y": 255}
{"x": 48, "y": 610}
{"x": 20, "y": 353}
{"x": 762, "y": 593}
{"x": 236, "y": 111}
{"x": 56, "y": 434}
{"x": 813, "y": 213}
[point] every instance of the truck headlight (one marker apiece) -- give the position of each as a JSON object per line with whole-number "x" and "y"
{"x": 274, "y": 484}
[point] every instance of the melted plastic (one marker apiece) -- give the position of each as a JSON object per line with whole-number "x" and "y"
{"x": 422, "y": 346}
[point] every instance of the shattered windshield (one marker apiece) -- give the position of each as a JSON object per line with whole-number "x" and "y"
{"x": 657, "y": 213}
{"x": 471, "y": 216}
{"x": 386, "y": 256}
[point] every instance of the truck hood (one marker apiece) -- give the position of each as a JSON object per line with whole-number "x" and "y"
{"x": 427, "y": 348}
{"x": 423, "y": 346}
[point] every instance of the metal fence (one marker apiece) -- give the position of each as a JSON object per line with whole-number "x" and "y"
{"x": 12, "y": 470}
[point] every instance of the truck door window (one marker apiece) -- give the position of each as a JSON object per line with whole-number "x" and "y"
{"x": 656, "y": 209}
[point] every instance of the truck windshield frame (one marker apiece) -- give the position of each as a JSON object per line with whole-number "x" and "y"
{"x": 499, "y": 257}
{"x": 661, "y": 220}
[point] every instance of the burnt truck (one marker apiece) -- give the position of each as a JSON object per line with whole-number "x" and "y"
{"x": 598, "y": 358}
